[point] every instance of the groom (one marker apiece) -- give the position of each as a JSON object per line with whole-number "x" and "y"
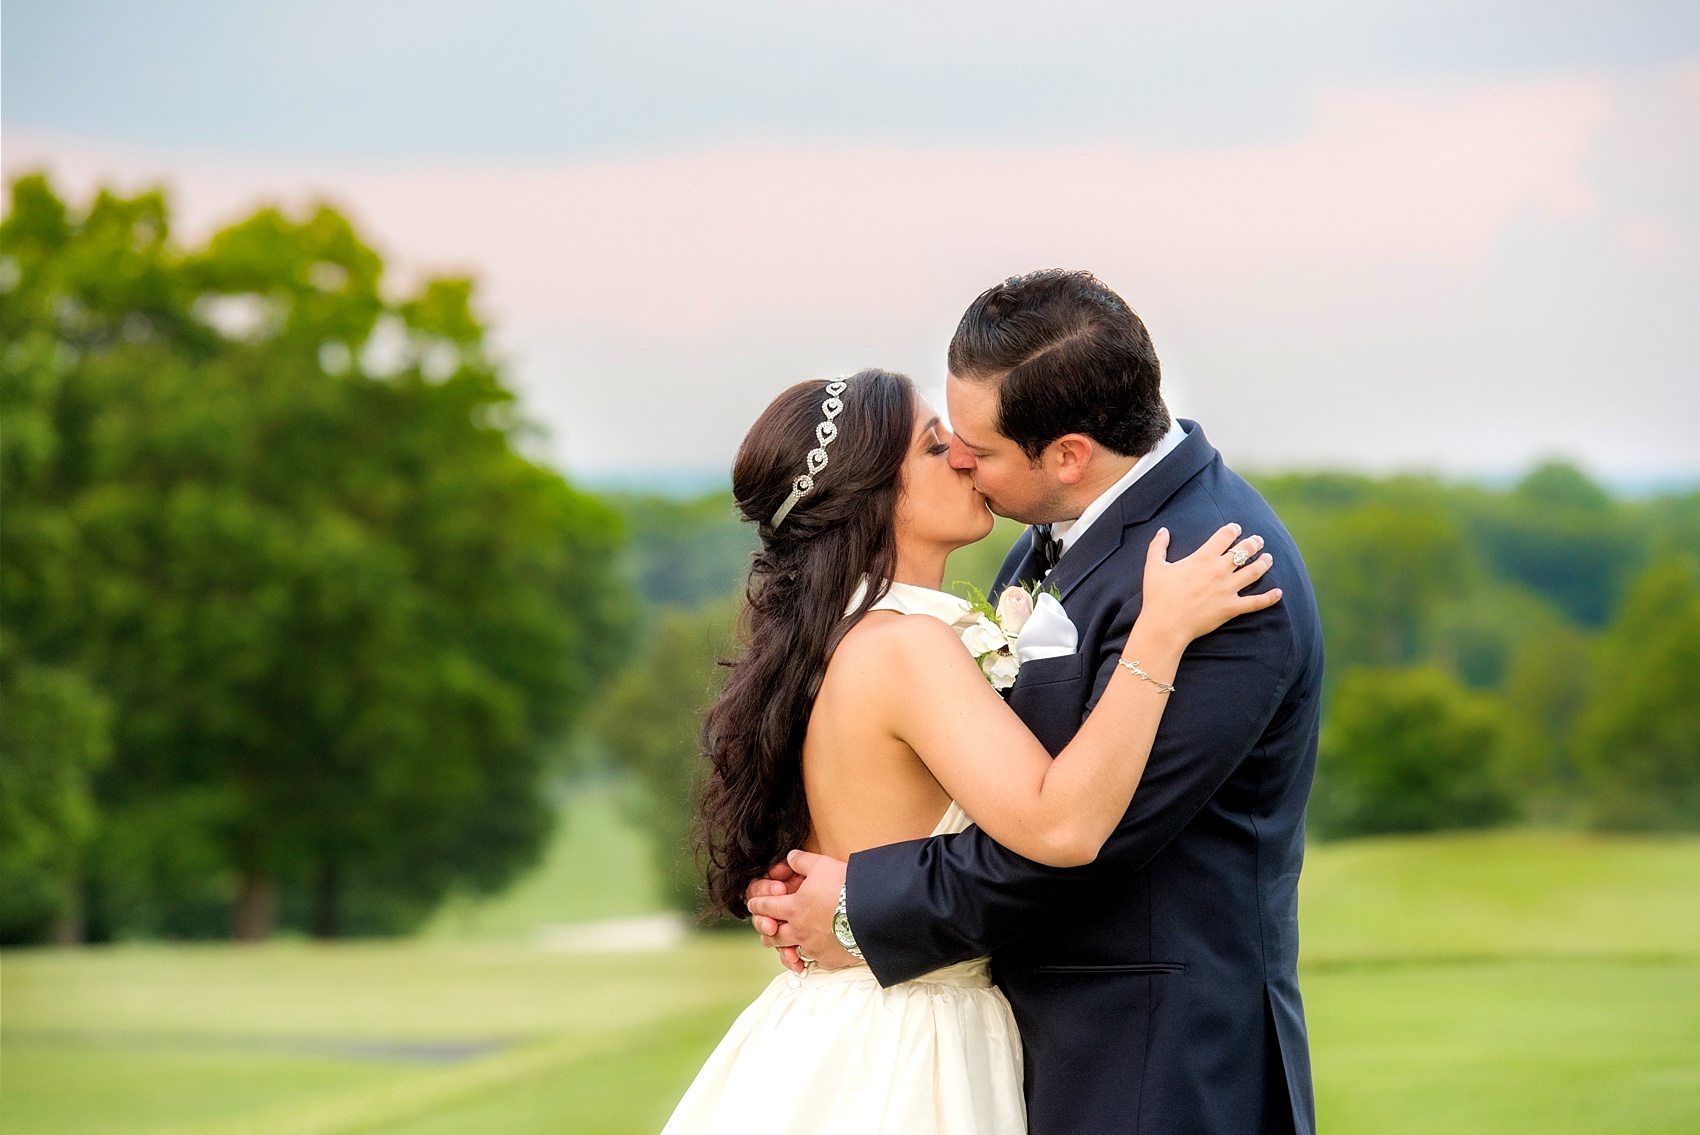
{"x": 1157, "y": 988}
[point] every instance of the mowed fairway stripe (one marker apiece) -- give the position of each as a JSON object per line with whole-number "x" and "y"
{"x": 430, "y": 1093}
{"x": 629, "y": 1092}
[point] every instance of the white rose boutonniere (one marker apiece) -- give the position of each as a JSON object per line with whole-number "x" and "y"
{"x": 1015, "y": 607}
{"x": 991, "y": 639}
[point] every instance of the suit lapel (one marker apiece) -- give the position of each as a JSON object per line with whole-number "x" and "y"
{"x": 1135, "y": 506}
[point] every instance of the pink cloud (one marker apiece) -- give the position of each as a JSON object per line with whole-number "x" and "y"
{"x": 748, "y": 232}
{"x": 738, "y": 267}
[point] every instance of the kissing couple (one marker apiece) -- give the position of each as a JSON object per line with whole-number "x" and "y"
{"x": 1031, "y": 861}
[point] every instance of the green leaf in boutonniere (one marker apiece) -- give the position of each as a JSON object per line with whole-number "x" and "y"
{"x": 976, "y": 600}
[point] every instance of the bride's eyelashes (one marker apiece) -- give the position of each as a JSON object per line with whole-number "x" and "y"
{"x": 938, "y": 449}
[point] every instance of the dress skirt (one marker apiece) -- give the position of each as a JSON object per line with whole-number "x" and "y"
{"x": 832, "y": 1053}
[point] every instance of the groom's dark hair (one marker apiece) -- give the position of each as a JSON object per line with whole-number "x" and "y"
{"x": 1068, "y": 356}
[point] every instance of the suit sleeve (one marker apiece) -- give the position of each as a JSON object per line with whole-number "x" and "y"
{"x": 920, "y": 905}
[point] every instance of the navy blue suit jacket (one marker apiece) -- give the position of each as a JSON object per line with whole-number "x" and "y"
{"x": 1157, "y": 988}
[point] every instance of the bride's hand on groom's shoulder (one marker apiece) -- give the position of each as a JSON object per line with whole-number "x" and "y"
{"x": 1192, "y": 596}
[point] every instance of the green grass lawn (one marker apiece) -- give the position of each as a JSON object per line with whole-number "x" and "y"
{"x": 1501, "y": 895}
{"x": 1509, "y": 1047}
{"x": 1512, "y": 982}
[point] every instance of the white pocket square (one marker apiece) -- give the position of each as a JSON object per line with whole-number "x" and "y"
{"x": 1047, "y": 632}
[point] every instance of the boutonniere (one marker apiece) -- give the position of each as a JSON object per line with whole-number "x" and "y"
{"x": 991, "y": 639}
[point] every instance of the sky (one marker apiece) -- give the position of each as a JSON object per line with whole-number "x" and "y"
{"x": 1454, "y": 237}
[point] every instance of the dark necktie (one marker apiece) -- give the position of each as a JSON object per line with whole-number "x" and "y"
{"x": 1048, "y": 550}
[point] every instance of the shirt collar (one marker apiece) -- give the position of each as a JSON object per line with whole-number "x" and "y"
{"x": 1070, "y": 531}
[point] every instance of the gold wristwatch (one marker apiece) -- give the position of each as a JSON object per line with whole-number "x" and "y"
{"x": 841, "y": 928}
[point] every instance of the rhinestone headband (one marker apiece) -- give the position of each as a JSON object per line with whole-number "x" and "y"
{"x": 816, "y": 457}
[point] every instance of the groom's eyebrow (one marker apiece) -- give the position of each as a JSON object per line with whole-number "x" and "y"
{"x": 977, "y": 449}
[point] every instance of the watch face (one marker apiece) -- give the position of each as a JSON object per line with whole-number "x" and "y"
{"x": 841, "y": 928}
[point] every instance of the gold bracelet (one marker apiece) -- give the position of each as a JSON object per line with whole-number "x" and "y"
{"x": 1133, "y": 668}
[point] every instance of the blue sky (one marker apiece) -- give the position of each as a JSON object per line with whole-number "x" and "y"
{"x": 518, "y": 79}
{"x": 1447, "y": 235}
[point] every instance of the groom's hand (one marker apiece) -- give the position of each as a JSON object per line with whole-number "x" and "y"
{"x": 805, "y": 913}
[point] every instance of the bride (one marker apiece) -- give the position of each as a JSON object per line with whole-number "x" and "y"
{"x": 856, "y": 717}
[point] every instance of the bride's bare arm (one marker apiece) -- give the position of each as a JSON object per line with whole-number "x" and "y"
{"x": 1059, "y": 812}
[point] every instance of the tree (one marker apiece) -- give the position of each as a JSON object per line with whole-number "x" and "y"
{"x": 1671, "y": 524}
{"x": 281, "y": 524}
{"x": 1380, "y": 571}
{"x": 1638, "y": 737}
{"x": 1410, "y": 751}
{"x": 54, "y": 735}
{"x": 1480, "y": 634}
{"x": 1562, "y": 536}
{"x": 682, "y": 553}
{"x": 1544, "y": 694}
{"x": 652, "y": 724}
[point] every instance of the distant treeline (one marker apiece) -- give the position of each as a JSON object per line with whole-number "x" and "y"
{"x": 1530, "y": 654}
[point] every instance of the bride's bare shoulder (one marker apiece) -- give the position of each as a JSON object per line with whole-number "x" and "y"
{"x": 885, "y": 643}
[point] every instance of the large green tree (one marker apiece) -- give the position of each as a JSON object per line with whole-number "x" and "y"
{"x": 280, "y": 523}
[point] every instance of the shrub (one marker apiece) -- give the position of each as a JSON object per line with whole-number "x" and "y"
{"x": 1638, "y": 739}
{"x": 1410, "y": 751}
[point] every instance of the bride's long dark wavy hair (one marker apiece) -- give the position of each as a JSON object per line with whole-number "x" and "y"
{"x": 753, "y": 809}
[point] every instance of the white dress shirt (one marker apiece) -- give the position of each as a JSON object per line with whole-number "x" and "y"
{"x": 1070, "y": 531}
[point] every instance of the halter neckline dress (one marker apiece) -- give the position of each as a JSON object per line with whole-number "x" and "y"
{"x": 831, "y": 1052}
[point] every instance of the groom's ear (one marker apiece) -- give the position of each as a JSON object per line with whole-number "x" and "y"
{"x": 1067, "y": 457}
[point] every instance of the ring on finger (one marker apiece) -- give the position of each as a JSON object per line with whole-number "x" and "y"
{"x": 1242, "y": 557}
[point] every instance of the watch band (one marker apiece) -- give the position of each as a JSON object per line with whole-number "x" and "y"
{"x": 841, "y": 927}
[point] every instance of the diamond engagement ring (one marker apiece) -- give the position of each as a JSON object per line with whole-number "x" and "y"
{"x": 1241, "y": 557}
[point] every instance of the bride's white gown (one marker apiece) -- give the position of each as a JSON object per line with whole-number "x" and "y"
{"x": 832, "y": 1053}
